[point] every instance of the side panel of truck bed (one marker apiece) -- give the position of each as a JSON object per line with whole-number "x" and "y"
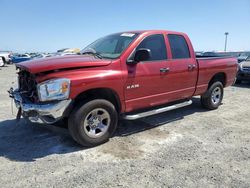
{"x": 208, "y": 67}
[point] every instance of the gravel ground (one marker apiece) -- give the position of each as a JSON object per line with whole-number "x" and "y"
{"x": 188, "y": 147}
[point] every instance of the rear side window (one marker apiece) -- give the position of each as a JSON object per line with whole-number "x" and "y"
{"x": 157, "y": 46}
{"x": 179, "y": 47}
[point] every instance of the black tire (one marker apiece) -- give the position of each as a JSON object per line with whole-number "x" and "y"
{"x": 79, "y": 115}
{"x": 238, "y": 81}
{"x": 207, "y": 99}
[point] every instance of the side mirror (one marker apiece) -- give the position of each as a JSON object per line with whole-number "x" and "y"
{"x": 142, "y": 54}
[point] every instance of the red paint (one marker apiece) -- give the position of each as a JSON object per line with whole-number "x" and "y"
{"x": 88, "y": 72}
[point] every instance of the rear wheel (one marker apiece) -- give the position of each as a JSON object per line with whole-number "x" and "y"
{"x": 93, "y": 122}
{"x": 213, "y": 96}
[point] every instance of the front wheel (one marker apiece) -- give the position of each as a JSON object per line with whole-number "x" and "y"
{"x": 93, "y": 122}
{"x": 213, "y": 96}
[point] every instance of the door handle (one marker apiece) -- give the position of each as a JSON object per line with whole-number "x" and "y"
{"x": 164, "y": 70}
{"x": 191, "y": 66}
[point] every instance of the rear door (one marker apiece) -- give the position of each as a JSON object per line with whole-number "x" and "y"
{"x": 184, "y": 70}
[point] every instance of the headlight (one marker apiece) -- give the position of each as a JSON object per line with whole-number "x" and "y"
{"x": 57, "y": 89}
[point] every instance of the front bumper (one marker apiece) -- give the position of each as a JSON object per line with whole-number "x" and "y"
{"x": 40, "y": 113}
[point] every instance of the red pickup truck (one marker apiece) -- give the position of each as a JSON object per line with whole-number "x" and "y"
{"x": 130, "y": 75}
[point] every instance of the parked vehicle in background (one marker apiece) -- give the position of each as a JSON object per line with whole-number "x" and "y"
{"x": 69, "y": 50}
{"x": 232, "y": 54}
{"x": 129, "y": 74}
{"x": 210, "y": 54}
{"x": 20, "y": 58}
{"x": 62, "y": 50}
{"x": 2, "y": 63}
{"x": 197, "y": 53}
{"x": 66, "y": 53}
{"x": 72, "y": 50}
{"x": 243, "y": 56}
{"x": 244, "y": 71}
{"x": 6, "y": 56}
{"x": 41, "y": 55}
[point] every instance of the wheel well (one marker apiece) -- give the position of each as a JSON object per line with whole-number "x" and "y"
{"x": 101, "y": 93}
{"x": 221, "y": 77}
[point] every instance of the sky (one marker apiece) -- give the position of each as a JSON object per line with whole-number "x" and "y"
{"x": 49, "y": 25}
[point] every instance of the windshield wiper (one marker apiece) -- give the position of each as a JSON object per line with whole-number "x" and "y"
{"x": 93, "y": 53}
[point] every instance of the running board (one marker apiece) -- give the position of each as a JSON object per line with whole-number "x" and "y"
{"x": 157, "y": 111}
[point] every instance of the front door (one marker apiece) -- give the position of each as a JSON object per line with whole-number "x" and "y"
{"x": 146, "y": 81}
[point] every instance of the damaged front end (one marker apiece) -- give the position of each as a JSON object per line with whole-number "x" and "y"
{"x": 27, "y": 100}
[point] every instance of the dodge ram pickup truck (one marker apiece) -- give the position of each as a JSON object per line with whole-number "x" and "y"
{"x": 126, "y": 75}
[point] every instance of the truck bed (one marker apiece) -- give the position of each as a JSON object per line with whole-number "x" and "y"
{"x": 208, "y": 66}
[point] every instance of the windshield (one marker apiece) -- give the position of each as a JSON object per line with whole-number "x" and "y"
{"x": 111, "y": 46}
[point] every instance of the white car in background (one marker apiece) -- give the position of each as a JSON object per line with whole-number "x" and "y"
{"x": 6, "y": 56}
{"x": 1, "y": 62}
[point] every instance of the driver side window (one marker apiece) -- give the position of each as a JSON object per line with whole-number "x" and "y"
{"x": 157, "y": 46}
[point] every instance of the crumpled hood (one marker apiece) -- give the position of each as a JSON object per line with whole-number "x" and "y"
{"x": 62, "y": 62}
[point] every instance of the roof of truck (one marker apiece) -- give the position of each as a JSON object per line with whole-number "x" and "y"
{"x": 152, "y": 31}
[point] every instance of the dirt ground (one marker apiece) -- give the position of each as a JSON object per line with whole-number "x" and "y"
{"x": 188, "y": 147}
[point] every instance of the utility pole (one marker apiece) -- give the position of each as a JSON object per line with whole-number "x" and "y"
{"x": 225, "y": 49}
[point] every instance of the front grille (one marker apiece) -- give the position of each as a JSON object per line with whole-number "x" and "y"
{"x": 27, "y": 85}
{"x": 246, "y": 69}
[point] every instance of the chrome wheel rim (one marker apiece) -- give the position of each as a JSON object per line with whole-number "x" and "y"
{"x": 216, "y": 95}
{"x": 97, "y": 122}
